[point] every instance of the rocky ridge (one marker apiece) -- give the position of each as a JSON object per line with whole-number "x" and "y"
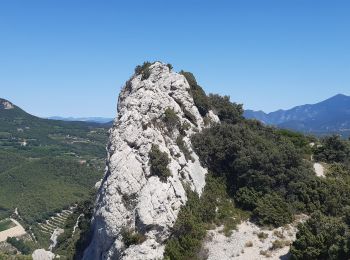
{"x": 130, "y": 197}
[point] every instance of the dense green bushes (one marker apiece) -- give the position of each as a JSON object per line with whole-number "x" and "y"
{"x": 256, "y": 160}
{"x": 333, "y": 149}
{"x": 170, "y": 66}
{"x": 221, "y": 105}
{"x": 131, "y": 237}
{"x": 188, "y": 231}
{"x": 199, "y": 97}
{"x": 265, "y": 172}
{"x": 159, "y": 162}
{"x": 322, "y": 237}
{"x": 271, "y": 209}
{"x": 299, "y": 140}
{"x": 200, "y": 214}
{"x": 171, "y": 120}
{"x": 143, "y": 70}
{"x": 19, "y": 245}
{"x": 227, "y": 111}
{"x": 253, "y": 158}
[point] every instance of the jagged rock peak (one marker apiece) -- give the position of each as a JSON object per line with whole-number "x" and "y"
{"x": 131, "y": 199}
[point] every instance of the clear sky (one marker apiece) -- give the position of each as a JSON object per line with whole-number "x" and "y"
{"x": 71, "y": 57}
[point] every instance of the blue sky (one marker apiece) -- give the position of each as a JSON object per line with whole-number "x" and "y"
{"x": 71, "y": 57}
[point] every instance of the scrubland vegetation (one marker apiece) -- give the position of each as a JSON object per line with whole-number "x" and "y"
{"x": 264, "y": 171}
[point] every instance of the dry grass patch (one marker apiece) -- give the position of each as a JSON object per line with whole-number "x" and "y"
{"x": 249, "y": 244}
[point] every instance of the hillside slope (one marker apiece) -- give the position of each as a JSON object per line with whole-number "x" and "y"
{"x": 35, "y": 136}
{"x": 46, "y": 165}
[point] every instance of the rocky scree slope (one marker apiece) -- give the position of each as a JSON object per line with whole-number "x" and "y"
{"x": 131, "y": 200}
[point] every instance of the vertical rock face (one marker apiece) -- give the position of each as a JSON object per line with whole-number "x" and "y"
{"x": 130, "y": 196}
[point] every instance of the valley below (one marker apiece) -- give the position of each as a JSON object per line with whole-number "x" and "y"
{"x": 47, "y": 169}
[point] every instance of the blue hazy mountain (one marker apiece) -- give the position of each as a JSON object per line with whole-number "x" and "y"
{"x": 100, "y": 120}
{"x": 327, "y": 117}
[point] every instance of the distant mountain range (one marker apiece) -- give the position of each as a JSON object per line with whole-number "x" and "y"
{"x": 100, "y": 120}
{"x": 326, "y": 117}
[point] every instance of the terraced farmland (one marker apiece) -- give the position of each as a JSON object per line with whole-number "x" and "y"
{"x": 54, "y": 226}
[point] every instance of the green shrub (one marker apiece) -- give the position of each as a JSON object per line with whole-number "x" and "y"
{"x": 333, "y": 149}
{"x": 262, "y": 235}
{"x": 199, "y": 97}
{"x": 226, "y": 110}
{"x": 170, "y": 66}
{"x": 213, "y": 207}
{"x": 278, "y": 234}
{"x": 278, "y": 244}
{"x": 171, "y": 120}
{"x": 19, "y": 244}
{"x": 159, "y": 162}
{"x": 218, "y": 207}
{"x": 337, "y": 170}
{"x": 188, "y": 231}
{"x": 189, "y": 77}
{"x": 265, "y": 253}
{"x": 131, "y": 237}
{"x": 272, "y": 210}
{"x": 299, "y": 140}
{"x": 143, "y": 70}
{"x": 183, "y": 147}
{"x": 321, "y": 237}
{"x": 247, "y": 198}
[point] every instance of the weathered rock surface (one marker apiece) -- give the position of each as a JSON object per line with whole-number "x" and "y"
{"x": 42, "y": 254}
{"x": 129, "y": 196}
{"x": 245, "y": 244}
{"x": 319, "y": 169}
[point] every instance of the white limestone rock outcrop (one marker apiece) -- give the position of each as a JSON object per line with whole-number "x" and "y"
{"x": 245, "y": 244}
{"x": 129, "y": 196}
{"x": 42, "y": 254}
